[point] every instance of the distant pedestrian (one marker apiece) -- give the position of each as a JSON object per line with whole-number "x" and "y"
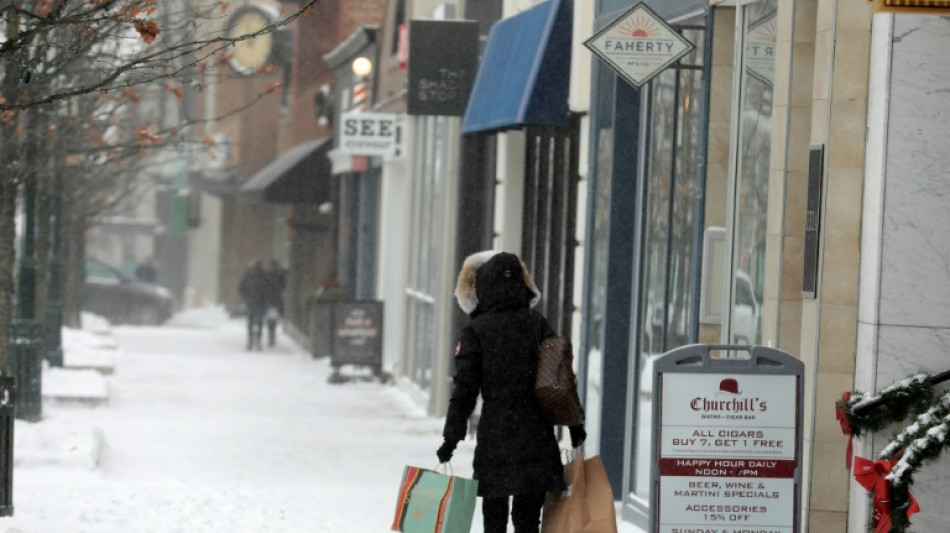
{"x": 145, "y": 271}
{"x": 275, "y": 281}
{"x": 253, "y": 289}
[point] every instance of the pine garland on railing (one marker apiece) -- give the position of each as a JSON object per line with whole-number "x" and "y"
{"x": 922, "y": 442}
{"x": 889, "y": 477}
{"x": 896, "y": 402}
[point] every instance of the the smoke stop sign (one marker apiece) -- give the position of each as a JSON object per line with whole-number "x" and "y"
{"x": 728, "y": 452}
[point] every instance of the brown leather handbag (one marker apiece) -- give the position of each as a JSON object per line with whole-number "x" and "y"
{"x": 555, "y": 386}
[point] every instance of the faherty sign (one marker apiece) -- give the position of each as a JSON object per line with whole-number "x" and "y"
{"x": 638, "y": 45}
{"x": 727, "y": 441}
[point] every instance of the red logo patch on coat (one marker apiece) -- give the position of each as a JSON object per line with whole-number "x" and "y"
{"x": 458, "y": 348}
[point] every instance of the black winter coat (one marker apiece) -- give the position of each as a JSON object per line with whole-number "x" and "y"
{"x": 253, "y": 287}
{"x": 517, "y": 451}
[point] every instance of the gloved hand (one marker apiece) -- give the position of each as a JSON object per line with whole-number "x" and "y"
{"x": 445, "y": 451}
{"x": 578, "y": 435}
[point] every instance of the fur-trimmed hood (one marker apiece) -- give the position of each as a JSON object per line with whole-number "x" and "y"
{"x": 468, "y": 291}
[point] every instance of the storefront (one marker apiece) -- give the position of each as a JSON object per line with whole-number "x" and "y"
{"x": 644, "y": 226}
{"x": 356, "y": 184}
{"x": 674, "y": 229}
{"x": 519, "y": 106}
{"x": 442, "y": 55}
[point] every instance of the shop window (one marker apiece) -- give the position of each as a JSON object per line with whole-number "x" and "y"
{"x": 425, "y": 240}
{"x": 673, "y": 134}
{"x": 752, "y": 154}
{"x": 548, "y": 224}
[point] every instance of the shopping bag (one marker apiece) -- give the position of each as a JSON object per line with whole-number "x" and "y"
{"x": 432, "y": 502}
{"x": 588, "y": 504}
{"x": 566, "y": 512}
{"x": 599, "y": 498}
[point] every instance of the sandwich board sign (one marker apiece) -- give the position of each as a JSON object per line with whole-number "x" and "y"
{"x": 727, "y": 441}
{"x": 638, "y": 45}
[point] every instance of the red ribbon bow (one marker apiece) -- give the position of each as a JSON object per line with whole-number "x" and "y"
{"x": 840, "y": 415}
{"x": 873, "y": 477}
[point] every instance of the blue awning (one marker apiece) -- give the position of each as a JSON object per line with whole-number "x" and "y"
{"x": 525, "y": 72}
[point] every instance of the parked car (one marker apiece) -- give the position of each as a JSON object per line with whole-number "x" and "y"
{"x": 122, "y": 300}
{"x": 746, "y": 315}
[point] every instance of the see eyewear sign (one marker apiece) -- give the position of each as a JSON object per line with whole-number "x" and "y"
{"x": 638, "y": 45}
{"x": 728, "y": 441}
{"x": 373, "y": 134}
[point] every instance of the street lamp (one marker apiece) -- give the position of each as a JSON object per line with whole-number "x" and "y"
{"x": 362, "y": 67}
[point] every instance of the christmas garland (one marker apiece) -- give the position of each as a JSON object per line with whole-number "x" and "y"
{"x": 922, "y": 442}
{"x": 889, "y": 477}
{"x": 896, "y": 402}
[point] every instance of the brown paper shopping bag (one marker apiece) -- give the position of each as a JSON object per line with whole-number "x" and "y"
{"x": 599, "y": 498}
{"x": 566, "y": 512}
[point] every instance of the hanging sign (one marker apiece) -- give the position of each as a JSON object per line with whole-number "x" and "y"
{"x": 374, "y": 134}
{"x": 638, "y": 45}
{"x": 727, "y": 441}
{"x": 443, "y": 61}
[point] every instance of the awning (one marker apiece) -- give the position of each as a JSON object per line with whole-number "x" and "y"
{"x": 525, "y": 72}
{"x": 300, "y": 175}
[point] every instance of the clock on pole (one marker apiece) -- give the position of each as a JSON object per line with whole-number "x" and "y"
{"x": 252, "y": 54}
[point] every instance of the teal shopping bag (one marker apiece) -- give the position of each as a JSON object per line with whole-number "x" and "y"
{"x": 430, "y": 502}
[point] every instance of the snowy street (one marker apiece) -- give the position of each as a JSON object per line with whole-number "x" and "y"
{"x": 199, "y": 435}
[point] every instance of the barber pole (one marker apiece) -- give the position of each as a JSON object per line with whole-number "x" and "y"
{"x": 361, "y": 96}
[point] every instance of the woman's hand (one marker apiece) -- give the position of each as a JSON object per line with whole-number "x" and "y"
{"x": 578, "y": 435}
{"x": 445, "y": 451}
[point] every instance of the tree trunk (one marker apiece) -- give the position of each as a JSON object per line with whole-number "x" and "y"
{"x": 8, "y": 194}
{"x": 73, "y": 253}
{"x": 9, "y": 146}
{"x": 44, "y": 216}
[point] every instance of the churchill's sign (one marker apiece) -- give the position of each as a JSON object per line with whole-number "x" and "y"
{"x": 727, "y": 434}
{"x": 638, "y": 45}
{"x": 373, "y": 134}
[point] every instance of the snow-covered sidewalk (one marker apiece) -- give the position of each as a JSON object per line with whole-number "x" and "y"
{"x": 199, "y": 435}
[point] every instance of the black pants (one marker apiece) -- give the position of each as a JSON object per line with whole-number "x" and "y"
{"x": 255, "y": 323}
{"x": 525, "y": 513}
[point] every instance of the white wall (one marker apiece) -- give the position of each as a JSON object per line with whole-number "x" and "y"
{"x": 904, "y": 313}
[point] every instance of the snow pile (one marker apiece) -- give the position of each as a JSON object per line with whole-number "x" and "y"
{"x": 71, "y": 385}
{"x": 56, "y": 442}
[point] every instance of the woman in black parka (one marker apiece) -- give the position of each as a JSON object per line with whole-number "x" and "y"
{"x": 517, "y": 453}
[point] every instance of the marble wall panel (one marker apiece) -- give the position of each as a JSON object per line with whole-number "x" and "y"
{"x": 915, "y": 269}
